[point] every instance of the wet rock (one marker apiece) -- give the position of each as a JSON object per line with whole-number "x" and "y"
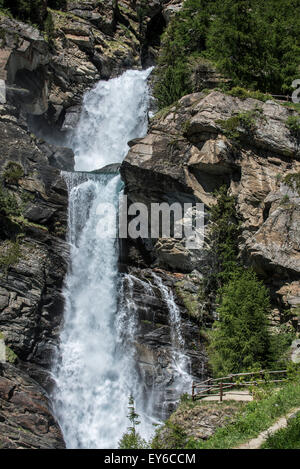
{"x": 155, "y": 339}
{"x": 31, "y": 301}
{"x": 26, "y": 420}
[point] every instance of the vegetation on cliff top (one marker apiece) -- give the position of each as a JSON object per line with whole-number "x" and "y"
{"x": 255, "y": 44}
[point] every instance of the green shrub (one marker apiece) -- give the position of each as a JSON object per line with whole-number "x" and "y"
{"x": 33, "y": 11}
{"x": 242, "y": 93}
{"x": 13, "y": 172}
{"x": 236, "y": 126}
{"x": 293, "y": 124}
{"x": 292, "y": 180}
{"x": 9, "y": 254}
{"x": 8, "y": 203}
{"x": 285, "y": 438}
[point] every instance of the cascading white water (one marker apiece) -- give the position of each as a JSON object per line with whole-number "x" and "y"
{"x": 181, "y": 366}
{"x": 114, "y": 112}
{"x": 94, "y": 370}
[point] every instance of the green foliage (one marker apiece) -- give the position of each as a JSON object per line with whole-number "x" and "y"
{"x": 292, "y": 180}
{"x": 32, "y": 11}
{"x": 293, "y": 372}
{"x": 293, "y": 124}
{"x": 279, "y": 347}
{"x": 237, "y": 125}
{"x": 233, "y": 36}
{"x": 57, "y": 4}
{"x": 49, "y": 28}
{"x": 256, "y": 417}
{"x": 172, "y": 435}
{"x": 10, "y": 355}
{"x": 8, "y": 203}
{"x": 285, "y": 438}
{"x": 242, "y": 93}
{"x": 241, "y": 338}
{"x": 224, "y": 233}
{"x": 13, "y": 172}
{"x": 131, "y": 439}
{"x": 9, "y": 254}
{"x": 142, "y": 10}
{"x": 184, "y": 37}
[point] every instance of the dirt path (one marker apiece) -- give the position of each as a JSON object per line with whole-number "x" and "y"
{"x": 256, "y": 443}
{"x": 243, "y": 396}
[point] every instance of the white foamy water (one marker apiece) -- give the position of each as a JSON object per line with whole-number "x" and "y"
{"x": 94, "y": 369}
{"x": 114, "y": 112}
{"x": 181, "y": 366}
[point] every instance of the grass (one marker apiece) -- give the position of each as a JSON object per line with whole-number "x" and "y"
{"x": 285, "y": 438}
{"x": 23, "y": 222}
{"x": 9, "y": 254}
{"x": 242, "y": 93}
{"x": 292, "y": 180}
{"x": 243, "y": 122}
{"x": 294, "y": 106}
{"x": 256, "y": 417}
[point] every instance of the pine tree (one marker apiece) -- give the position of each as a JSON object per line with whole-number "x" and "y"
{"x": 131, "y": 439}
{"x": 223, "y": 240}
{"x": 241, "y": 339}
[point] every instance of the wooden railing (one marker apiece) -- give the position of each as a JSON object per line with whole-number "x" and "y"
{"x": 214, "y": 387}
{"x": 281, "y": 97}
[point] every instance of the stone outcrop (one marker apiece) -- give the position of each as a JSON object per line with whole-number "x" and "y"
{"x": 33, "y": 263}
{"x": 188, "y": 154}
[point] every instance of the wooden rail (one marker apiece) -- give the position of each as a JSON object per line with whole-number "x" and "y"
{"x": 213, "y": 387}
{"x": 281, "y": 97}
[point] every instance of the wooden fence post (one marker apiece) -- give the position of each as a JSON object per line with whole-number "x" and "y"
{"x": 221, "y": 391}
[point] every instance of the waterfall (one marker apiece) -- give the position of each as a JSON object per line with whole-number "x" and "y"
{"x": 181, "y": 366}
{"x": 94, "y": 369}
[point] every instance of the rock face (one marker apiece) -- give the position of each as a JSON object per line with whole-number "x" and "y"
{"x": 188, "y": 154}
{"x": 31, "y": 280}
{"x": 48, "y": 74}
{"x": 26, "y": 421}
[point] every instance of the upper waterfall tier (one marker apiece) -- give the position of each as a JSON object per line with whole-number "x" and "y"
{"x": 113, "y": 113}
